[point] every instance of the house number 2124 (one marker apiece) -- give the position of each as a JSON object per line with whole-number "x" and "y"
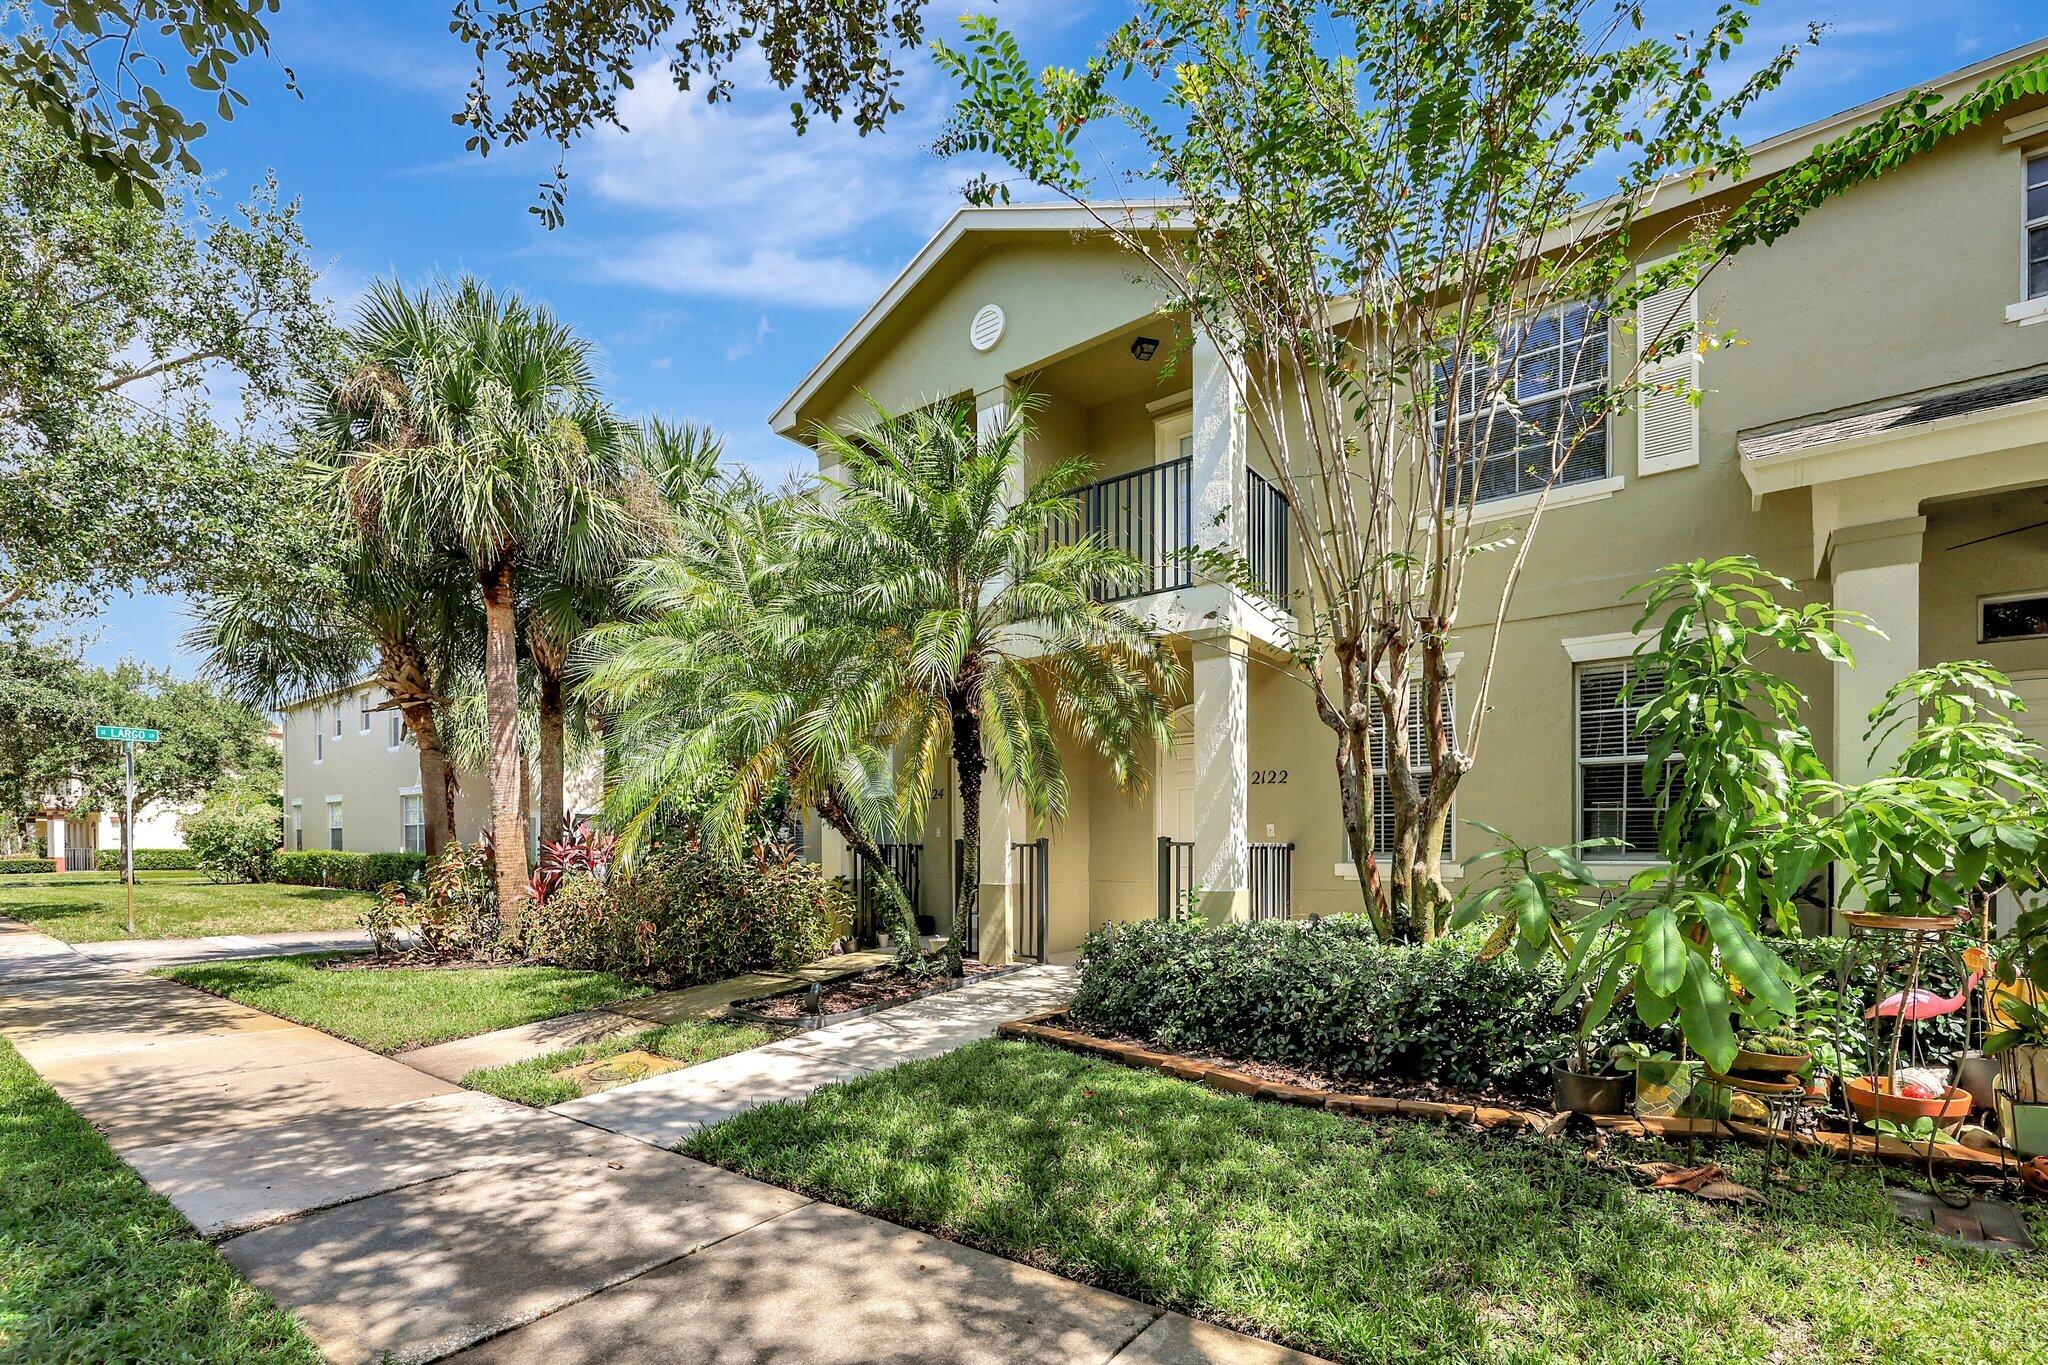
{"x": 1269, "y": 777}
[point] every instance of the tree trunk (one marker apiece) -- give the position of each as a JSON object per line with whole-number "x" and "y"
{"x": 968, "y": 766}
{"x": 1352, "y": 726}
{"x": 437, "y": 776}
{"x": 553, "y": 737}
{"x": 507, "y": 762}
{"x": 902, "y": 918}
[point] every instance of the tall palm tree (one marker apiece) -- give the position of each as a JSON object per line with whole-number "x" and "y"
{"x": 984, "y": 617}
{"x": 459, "y": 434}
{"x": 338, "y": 608}
{"x": 726, "y": 689}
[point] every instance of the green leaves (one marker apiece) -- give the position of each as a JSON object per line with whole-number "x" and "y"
{"x": 1661, "y": 951}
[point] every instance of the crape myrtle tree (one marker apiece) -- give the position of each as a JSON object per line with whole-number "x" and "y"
{"x": 1382, "y": 210}
{"x": 129, "y": 85}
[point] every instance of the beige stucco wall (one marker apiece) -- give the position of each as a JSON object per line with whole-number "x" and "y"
{"x": 361, "y": 768}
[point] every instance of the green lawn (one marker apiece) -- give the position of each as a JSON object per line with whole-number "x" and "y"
{"x": 691, "y": 1041}
{"x": 89, "y": 907}
{"x": 95, "y": 1267}
{"x": 405, "y": 1006}
{"x": 1387, "y": 1240}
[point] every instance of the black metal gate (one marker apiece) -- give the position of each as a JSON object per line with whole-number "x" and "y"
{"x": 906, "y": 862}
{"x": 1176, "y": 877}
{"x": 1272, "y": 878}
{"x": 1033, "y": 905}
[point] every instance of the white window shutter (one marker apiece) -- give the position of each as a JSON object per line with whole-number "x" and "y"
{"x": 1667, "y": 422}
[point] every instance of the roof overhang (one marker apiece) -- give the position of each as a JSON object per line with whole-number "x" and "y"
{"x": 966, "y": 223}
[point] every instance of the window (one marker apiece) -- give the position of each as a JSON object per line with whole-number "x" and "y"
{"x": 337, "y": 720}
{"x": 1418, "y": 762}
{"x": 334, "y": 825}
{"x": 398, "y": 734}
{"x": 412, "y": 822}
{"x": 2020, "y": 617}
{"x": 1612, "y": 757}
{"x": 319, "y": 736}
{"x": 1533, "y": 403}
{"x": 363, "y": 711}
{"x": 298, "y": 825}
{"x": 2035, "y": 231}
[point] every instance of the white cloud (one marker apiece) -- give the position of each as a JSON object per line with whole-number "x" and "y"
{"x": 661, "y": 362}
{"x": 747, "y": 345}
{"x": 750, "y": 210}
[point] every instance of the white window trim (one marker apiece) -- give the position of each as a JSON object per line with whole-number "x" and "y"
{"x": 1561, "y": 495}
{"x": 1596, "y": 649}
{"x": 1628, "y": 864}
{"x": 412, "y": 791}
{"x": 1515, "y": 503}
{"x": 1167, "y": 433}
{"x": 2028, "y": 310}
{"x": 1993, "y": 599}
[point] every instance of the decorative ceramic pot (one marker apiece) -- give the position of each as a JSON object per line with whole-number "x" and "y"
{"x": 2024, "y": 1126}
{"x": 1575, "y": 1092}
{"x": 1978, "y": 1074}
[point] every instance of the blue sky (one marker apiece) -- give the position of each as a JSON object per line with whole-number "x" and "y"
{"x": 711, "y": 253}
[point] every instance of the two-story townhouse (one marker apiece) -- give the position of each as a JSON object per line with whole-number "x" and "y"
{"x": 352, "y": 778}
{"x": 1881, "y": 436}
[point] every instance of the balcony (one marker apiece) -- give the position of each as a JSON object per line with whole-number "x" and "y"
{"x": 1149, "y": 514}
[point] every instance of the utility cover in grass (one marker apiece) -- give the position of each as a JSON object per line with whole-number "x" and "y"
{"x": 603, "y": 1073}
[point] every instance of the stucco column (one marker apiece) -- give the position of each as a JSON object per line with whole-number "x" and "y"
{"x": 1222, "y": 775}
{"x": 1876, "y": 570}
{"x": 1216, "y": 473}
{"x": 1002, "y": 816}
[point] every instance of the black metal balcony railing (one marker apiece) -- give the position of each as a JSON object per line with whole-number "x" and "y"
{"x": 1272, "y": 881}
{"x": 1033, "y": 904}
{"x": 1176, "y": 876}
{"x": 1148, "y": 514}
{"x": 1265, "y": 536}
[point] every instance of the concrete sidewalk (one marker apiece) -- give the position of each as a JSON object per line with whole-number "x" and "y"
{"x": 147, "y": 954}
{"x": 666, "y": 1109}
{"x": 400, "y": 1217}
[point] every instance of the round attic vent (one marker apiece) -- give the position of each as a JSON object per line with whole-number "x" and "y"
{"x": 987, "y": 328}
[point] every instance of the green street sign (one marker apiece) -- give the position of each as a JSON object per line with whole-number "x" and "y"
{"x": 131, "y": 734}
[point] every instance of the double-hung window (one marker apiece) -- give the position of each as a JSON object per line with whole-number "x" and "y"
{"x": 363, "y": 711}
{"x": 2034, "y": 234}
{"x": 337, "y": 720}
{"x": 397, "y": 723}
{"x": 334, "y": 825}
{"x": 1418, "y": 763}
{"x": 319, "y": 735}
{"x": 1532, "y": 408}
{"x": 1612, "y": 758}
{"x": 412, "y": 822}
{"x": 298, "y": 825}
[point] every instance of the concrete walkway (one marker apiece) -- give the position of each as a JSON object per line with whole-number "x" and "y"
{"x": 148, "y": 954}
{"x": 666, "y": 1109}
{"x": 524, "y": 1042}
{"x": 400, "y": 1217}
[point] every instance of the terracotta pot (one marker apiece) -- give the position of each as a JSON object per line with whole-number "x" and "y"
{"x": 1871, "y": 1103}
{"x": 1759, "y": 1085}
{"x": 1749, "y": 1063}
{"x": 1914, "y": 924}
{"x": 1575, "y": 1092}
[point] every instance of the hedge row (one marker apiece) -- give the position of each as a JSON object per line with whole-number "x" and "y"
{"x": 148, "y": 860}
{"x": 350, "y": 871}
{"x": 1328, "y": 996}
{"x": 19, "y": 867}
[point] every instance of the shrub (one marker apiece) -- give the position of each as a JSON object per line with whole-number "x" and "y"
{"x": 684, "y": 913}
{"x": 1328, "y": 996}
{"x": 231, "y": 843}
{"x": 22, "y": 866}
{"x": 453, "y": 907}
{"x": 159, "y": 859}
{"x": 350, "y": 871}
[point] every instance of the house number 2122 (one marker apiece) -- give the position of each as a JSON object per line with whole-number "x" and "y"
{"x": 1269, "y": 777}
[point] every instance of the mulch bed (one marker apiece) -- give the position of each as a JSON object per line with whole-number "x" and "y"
{"x": 413, "y": 959}
{"x": 876, "y": 986}
{"x": 1285, "y": 1085}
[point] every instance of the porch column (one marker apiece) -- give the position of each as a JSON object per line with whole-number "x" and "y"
{"x": 1876, "y": 570}
{"x": 56, "y": 830}
{"x": 1216, "y": 473}
{"x": 1002, "y": 816}
{"x": 1222, "y": 774}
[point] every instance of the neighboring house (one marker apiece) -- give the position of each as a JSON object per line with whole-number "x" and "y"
{"x": 1882, "y": 436}
{"x": 352, "y": 779}
{"x": 75, "y": 836}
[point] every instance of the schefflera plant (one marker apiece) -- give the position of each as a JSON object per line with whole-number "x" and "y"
{"x": 1743, "y": 794}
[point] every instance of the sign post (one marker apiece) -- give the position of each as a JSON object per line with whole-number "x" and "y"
{"x": 128, "y": 736}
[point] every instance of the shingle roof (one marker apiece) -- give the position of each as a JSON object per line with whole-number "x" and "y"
{"x": 1894, "y": 414}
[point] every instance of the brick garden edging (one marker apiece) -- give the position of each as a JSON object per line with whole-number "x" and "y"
{"x": 1043, "y": 1028}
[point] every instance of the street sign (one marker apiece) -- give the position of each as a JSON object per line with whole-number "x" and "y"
{"x": 127, "y": 734}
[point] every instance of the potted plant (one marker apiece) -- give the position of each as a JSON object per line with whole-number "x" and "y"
{"x": 1663, "y": 1083}
{"x": 1537, "y": 892}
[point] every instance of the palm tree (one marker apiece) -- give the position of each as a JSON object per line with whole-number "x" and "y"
{"x": 725, "y": 689}
{"x": 460, "y": 433}
{"x": 322, "y": 617}
{"x": 984, "y": 617}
